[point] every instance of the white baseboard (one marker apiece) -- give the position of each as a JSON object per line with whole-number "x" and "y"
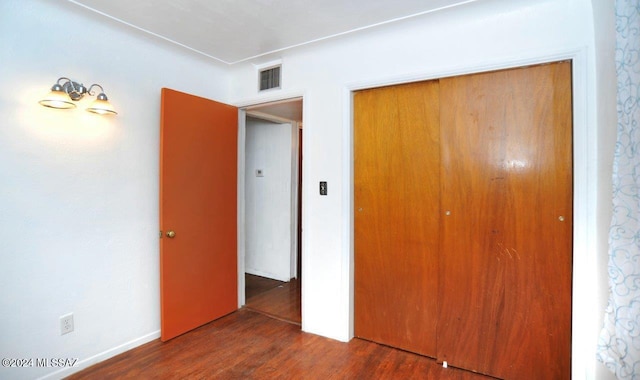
{"x": 85, "y": 363}
{"x": 267, "y": 275}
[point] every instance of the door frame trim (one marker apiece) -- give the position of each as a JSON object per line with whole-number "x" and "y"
{"x": 242, "y": 132}
{"x": 585, "y": 192}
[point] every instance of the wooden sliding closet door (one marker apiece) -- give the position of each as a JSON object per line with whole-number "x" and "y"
{"x": 397, "y": 163}
{"x": 506, "y": 253}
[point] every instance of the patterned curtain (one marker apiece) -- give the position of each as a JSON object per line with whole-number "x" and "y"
{"x": 619, "y": 343}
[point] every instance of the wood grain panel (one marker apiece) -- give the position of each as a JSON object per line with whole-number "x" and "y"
{"x": 397, "y": 161}
{"x": 506, "y": 264}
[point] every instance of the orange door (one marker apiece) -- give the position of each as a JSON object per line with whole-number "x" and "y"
{"x": 396, "y": 185}
{"x": 198, "y": 197}
{"x": 506, "y": 253}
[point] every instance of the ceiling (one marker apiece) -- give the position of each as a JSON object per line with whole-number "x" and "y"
{"x": 232, "y": 31}
{"x": 290, "y": 109}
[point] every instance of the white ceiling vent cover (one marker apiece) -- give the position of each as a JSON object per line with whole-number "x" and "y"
{"x": 269, "y": 77}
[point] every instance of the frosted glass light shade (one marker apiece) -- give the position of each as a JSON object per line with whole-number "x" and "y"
{"x": 102, "y": 106}
{"x": 57, "y": 99}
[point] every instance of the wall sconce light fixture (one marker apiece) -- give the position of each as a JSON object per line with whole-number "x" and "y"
{"x": 64, "y": 94}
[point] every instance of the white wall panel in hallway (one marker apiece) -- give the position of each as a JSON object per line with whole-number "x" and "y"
{"x": 268, "y": 199}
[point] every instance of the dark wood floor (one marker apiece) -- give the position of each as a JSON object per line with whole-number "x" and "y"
{"x": 274, "y": 298}
{"x": 264, "y": 341}
{"x": 255, "y": 285}
{"x": 251, "y": 345}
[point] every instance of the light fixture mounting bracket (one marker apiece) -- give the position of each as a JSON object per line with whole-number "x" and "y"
{"x": 75, "y": 90}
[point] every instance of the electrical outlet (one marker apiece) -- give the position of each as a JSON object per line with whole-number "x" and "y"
{"x": 66, "y": 324}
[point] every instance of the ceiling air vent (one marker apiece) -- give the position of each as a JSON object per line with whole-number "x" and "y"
{"x": 270, "y": 78}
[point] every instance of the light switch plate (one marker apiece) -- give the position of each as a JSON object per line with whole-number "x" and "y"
{"x": 323, "y": 187}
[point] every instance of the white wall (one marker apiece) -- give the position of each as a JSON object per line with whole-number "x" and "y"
{"x": 268, "y": 201}
{"x": 79, "y": 192}
{"x": 488, "y": 34}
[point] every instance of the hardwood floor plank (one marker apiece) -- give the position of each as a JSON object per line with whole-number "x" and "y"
{"x": 281, "y": 302}
{"x": 255, "y": 285}
{"x": 249, "y": 345}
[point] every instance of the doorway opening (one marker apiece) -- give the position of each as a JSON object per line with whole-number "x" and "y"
{"x": 272, "y": 183}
